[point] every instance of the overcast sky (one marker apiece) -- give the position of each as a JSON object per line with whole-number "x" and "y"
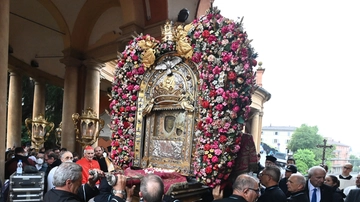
{"x": 310, "y": 52}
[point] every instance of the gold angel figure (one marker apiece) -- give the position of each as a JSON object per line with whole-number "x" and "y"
{"x": 148, "y": 56}
{"x": 183, "y": 46}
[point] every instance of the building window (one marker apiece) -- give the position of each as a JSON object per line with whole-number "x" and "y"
{"x": 289, "y": 134}
{"x": 275, "y": 141}
{"x": 287, "y": 141}
{"x": 276, "y": 133}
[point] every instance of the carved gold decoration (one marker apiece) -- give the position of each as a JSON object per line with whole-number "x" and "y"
{"x": 167, "y": 33}
{"x": 38, "y": 131}
{"x": 87, "y": 126}
{"x": 148, "y": 54}
{"x": 183, "y": 46}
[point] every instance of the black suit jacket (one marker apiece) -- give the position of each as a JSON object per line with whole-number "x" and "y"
{"x": 232, "y": 198}
{"x": 353, "y": 196}
{"x": 326, "y": 192}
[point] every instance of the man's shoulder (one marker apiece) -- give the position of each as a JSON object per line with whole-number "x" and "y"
{"x": 231, "y": 198}
{"x": 60, "y": 196}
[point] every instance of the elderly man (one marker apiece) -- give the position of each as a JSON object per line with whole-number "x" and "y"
{"x": 270, "y": 177}
{"x": 245, "y": 189}
{"x": 290, "y": 169}
{"x": 354, "y": 196}
{"x": 356, "y": 186}
{"x": 315, "y": 188}
{"x": 152, "y": 188}
{"x": 87, "y": 163}
{"x": 296, "y": 187}
{"x": 69, "y": 188}
{"x": 65, "y": 157}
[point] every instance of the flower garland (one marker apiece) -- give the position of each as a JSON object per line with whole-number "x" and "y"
{"x": 225, "y": 59}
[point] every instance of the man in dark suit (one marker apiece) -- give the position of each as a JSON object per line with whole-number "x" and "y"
{"x": 245, "y": 189}
{"x": 296, "y": 187}
{"x": 315, "y": 188}
{"x": 269, "y": 177}
{"x": 354, "y": 196}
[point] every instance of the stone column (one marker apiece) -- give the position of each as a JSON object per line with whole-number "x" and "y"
{"x": 255, "y": 129}
{"x": 69, "y": 102}
{"x": 4, "y": 45}
{"x": 39, "y": 98}
{"x": 92, "y": 86}
{"x": 14, "y": 111}
{"x": 39, "y": 102}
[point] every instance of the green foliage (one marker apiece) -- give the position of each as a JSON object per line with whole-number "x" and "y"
{"x": 302, "y": 167}
{"x": 355, "y": 161}
{"x": 305, "y": 137}
{"x": 305, "y": 159}
{"x": 53, "y": 108}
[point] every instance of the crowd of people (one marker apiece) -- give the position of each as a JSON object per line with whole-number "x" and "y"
{"x": 67, "y": 178}
{"x": 316, "y": 186}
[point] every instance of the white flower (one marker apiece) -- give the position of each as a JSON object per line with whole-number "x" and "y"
{"x": 219, "y": 99}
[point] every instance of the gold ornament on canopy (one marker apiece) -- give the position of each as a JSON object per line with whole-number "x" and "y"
{"x": 38, "y": 131}
{"x": 87, "y": 126}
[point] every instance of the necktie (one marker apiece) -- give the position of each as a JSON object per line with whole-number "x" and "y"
{"x": 313, "y": 198}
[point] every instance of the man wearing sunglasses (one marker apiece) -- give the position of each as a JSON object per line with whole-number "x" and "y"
{"x": 270, "y": 177}
{"x": 245, "y": 189}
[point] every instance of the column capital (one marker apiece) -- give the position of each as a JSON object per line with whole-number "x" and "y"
{"x": 94, "y": 64}
{"x": 70, "y": 61}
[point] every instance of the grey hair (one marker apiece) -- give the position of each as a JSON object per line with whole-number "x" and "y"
{"x": 152, "y": 188}
{"x": 62, "y": 154}
{"x": 313, "y": 169}
{"x": 301, "y": 180}
{"x": 67, "y": 171}
{"x": 244, "y": 181}
{"x": 274, "y": 172}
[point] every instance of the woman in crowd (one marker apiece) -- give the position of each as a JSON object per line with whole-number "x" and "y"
{"x": 334, "y": 182}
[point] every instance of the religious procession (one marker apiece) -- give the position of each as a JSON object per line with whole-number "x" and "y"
{"x": 171, "y": 105}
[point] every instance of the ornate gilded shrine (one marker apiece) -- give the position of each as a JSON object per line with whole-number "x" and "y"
{"x": 180, "y": 104}
{"x": 166, "y": 115}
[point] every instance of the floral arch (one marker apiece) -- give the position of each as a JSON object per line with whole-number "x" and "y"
{"x": 224, "y": 58}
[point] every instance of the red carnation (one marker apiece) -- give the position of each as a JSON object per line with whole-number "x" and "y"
{"x": 199, "y": 125}
{"x": 205, "y": 104}
{"x": 122, "y": 109}
{"x": 254, "y": 63}
{"x": 231, "y": 75}
{"x": 212, "y": 93}
{"x": 208, "y": 170}
{"x": 206, "y": 33}
{"x": 126, "y": 125}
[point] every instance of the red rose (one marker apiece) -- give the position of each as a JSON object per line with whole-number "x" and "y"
{"x": 122, "y": 109}
{"x": 212, "y": 93}
{"x": 205, "y": 158}
{"x": 205, "y": 104}
{"x": 223, "y": 138}
{"x": 206, "y": 33}
{"x": 207, "y": 147}
{"x": 231, "y": 75}
{"x": 126, "y": 125}
{"x": 208, "y": 170}
{"x": 199, "y": 125}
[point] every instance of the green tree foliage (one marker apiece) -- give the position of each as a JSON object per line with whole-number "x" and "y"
{"x": 305, "y": 159}
{"x": 355, "y": 161}
{"x": 53, "y": 108}
{"x": 305, "y": 137}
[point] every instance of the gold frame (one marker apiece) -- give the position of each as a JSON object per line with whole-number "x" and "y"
{"x": 147, "y": 137}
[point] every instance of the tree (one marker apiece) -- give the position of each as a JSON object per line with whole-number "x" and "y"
{"x": 355, "y": 161}
{"x": 305, "y": 159}
{"x": 305, "y": 137}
